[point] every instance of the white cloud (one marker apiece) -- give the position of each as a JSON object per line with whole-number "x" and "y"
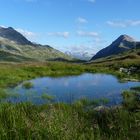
{"x": 81, "y": 20}
{"x": 27, "y": 34}
{"x": 134, "y": 22}
{"x": 124, "y": 23}
{"x": 87, "y": 34}
{"x": 90, "y": 47}
{"x": 59, "y": 34}
{"x": 3, "y": 26}
{"x": 81, "y": 48}
{"x": 116, "y": 24}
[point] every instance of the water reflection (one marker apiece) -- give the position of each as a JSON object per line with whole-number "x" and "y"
{"x": 71, "y": 88}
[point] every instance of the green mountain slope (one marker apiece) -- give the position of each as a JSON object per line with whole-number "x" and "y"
{"x": 20, "y": 49}
{"x": 122, "y": 44}
{"x": 126, "y": 59}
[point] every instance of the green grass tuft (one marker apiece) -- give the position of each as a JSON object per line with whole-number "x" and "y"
{"x": 27, "y": 85}
{"x": 47, "y": 97}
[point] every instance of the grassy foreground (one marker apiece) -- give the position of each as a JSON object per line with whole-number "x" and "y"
{"x": 79, "y": 121}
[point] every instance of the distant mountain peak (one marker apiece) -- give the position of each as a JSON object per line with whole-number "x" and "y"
{"x": 126, "y": 38}
{"x": 121, "y": 44}
{"x": 10, "y": 28}
{"x": 15, "y": 47}
{"x": 13, "y": 35}
{"x": 123, "y": 39}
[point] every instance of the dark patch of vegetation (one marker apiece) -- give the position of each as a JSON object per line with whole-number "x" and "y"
{"x": 47, "y": 97}
{"x": 131, "y": 100}
{"x": 85, "y": 103}
{"x": 27, "y": 85}
{"x": 3, "y": 94}
{"x": 136, "y": 89}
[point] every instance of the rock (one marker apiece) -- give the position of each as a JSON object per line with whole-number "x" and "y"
{"x": 129, "y": 70}
{"x": 123, "y": 70}
{"x": 101, "y": 108}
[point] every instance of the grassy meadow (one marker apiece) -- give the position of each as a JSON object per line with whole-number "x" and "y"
{"x": 13, "y": 73}
{"x": 58, "y": 121}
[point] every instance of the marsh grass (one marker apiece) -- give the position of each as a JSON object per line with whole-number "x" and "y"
{"x": 5, "y": 94}
{"x": 84, "y": 102}
{"x": 27, "y": 85}
{"x": 136, "y": 89}
{"x": 59, "y": 121}
{"x": 13, "y": 73}
{"x": 62, "y": 121}
{"x": 47, "y": 97}
{"x": 131, "y": 100}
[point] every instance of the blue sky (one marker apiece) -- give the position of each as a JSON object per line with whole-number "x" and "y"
{"x": 72, "y": 25}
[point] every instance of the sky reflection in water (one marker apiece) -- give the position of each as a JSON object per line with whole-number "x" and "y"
{"x": 71, "y": 88}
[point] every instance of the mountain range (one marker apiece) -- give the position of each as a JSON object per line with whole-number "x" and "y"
{"x": 15, "y": 47}
{"x": 81, "y": 55}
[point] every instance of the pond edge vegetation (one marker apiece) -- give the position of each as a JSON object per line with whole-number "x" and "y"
{"x": 81, "y": 120}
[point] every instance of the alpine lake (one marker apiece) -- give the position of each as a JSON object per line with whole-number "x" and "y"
{"x": 68, "y": 89}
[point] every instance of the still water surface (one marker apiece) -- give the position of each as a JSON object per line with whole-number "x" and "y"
{"x": 71, "y": 88}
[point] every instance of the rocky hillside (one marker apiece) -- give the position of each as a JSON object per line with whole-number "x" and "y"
{"x": 120, "y": 45}
{"x": 13, "y": 35}
{"x": 15, "y": 47}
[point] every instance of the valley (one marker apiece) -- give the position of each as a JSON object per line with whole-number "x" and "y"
{"x": 57, "y": 96}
